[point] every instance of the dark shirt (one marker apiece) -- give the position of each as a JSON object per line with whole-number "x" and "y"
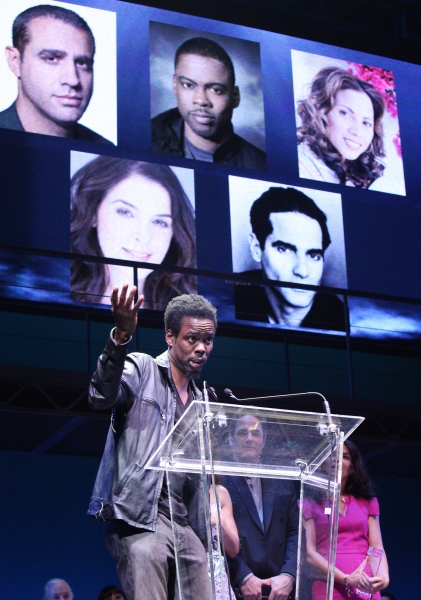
{"x": 252, "y": 304}
{"x": 168, "y": 138}
{"x": 177, "y": 480}
{"x": 9, "y": 119}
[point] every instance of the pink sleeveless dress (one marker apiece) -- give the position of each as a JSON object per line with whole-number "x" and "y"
{"x": 352, "y": 542}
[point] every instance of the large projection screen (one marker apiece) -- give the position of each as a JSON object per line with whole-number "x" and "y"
{"x": 139, "y": 134}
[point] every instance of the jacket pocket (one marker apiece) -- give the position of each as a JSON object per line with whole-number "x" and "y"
{"x": 127, "y": 475}
{"x": 144, "y": 427}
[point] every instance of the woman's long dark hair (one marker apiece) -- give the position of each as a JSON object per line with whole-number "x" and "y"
{"x": 358, "y": 483}
{"x": 88, "y": 188}
{"x": 313, "y": 130}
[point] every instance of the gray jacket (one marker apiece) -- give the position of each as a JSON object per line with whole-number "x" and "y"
{"x": 142, "y": 395}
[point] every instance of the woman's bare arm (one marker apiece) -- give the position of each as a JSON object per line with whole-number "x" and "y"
{"x": 380, "y": 581}
{"x": 229, "y": 528}
{"x": 357, "y": 579}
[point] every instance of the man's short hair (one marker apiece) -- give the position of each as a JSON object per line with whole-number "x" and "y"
{"x": 245, "y": 413}
{"x": 20, "y": 32}
{"x": 187, "y": 305}
{"x": 279, "y": 200}
{"x": 50, "y": 583}
{"x": 207, "y": 48}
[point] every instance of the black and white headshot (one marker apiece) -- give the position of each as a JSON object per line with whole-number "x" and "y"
{"x": 50, "y": 71}
{"x": 206, "y": 97}
{"x": 293, "y": 235}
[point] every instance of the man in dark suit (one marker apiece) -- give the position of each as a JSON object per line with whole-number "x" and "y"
{"x": 266, "y": 514}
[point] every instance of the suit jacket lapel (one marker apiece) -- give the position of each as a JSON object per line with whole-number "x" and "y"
{"x": 244, "y": 493}
{"x": 268, "y": 500}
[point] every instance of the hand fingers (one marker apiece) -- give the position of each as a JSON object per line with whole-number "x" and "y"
{"x": 124, "y": 293}
{"x": 376, "y": 579}
{"x": 131, "y": 296}
{"x": 114, "y": 299}
{"x": 139, "y": 302}
{"x": 124, "y": 299}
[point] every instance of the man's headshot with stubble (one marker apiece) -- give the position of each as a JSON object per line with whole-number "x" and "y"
{"x": 207, "y": 96}
{"x": 295, "y": 237}
{"x": 52, "y": 57}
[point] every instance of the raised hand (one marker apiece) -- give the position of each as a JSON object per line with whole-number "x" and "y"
{"x": 124, "y": 312}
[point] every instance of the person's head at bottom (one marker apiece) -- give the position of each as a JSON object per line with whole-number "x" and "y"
{"x": 111, "y": 592}
{"x": 190, "y": 326}
{"x": 388, "y": 596}
{"x": 57, "y": 589}
{"x": 289, "y": 239}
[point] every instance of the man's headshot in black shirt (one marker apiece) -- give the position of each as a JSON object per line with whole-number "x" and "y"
{"x": 206, "y": 92}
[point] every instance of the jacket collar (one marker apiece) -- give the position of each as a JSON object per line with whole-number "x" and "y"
{"x": 163, "y": 362}
{"x": 226, "y": 150}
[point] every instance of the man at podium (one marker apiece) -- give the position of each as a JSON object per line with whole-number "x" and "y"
{"x": 266, "y": 514}
{"x": 147, "y": 396}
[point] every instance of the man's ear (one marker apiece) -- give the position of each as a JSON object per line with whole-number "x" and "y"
{"x": 13, "y": 60}
{"x": 169, "y": 337}
{"x": 255, "y": 249}
{"x": 230, "y": 440}
{"x": 174, "y": 84}
{"x": 236, "y": 96}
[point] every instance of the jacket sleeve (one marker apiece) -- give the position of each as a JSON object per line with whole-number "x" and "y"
{"x": 291, "y": 541}
{"x": 109, "y": 385}
{"x": 238, "y": 570}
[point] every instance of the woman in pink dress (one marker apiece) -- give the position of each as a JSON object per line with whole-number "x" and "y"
{"x": 358, "y": 528}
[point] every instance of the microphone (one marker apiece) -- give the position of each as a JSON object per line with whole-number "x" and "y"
{"x": 229, "y": 393}
{"x": 212, "y": 391}
{"x": 220, "y": 415}
{"x": 328, "y": 413}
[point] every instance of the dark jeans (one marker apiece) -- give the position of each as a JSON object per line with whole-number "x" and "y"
{"x": 146, "y": 561}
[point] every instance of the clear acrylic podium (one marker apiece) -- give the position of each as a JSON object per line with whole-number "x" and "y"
{"x": 304, "y": 447}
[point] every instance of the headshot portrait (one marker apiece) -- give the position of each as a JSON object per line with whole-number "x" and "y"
{"x": 347, "y": 123}
{"x": 58, "y": 70}
{"x": 206, "y": 97}
{"x": 293, "y": 235}
{"x": 134, "y": 211}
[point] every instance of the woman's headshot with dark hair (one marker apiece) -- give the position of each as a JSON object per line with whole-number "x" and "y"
{"x": 340, "y": 139}
{"x": 134, "y": 211}
{"x": 347, "y": 123}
